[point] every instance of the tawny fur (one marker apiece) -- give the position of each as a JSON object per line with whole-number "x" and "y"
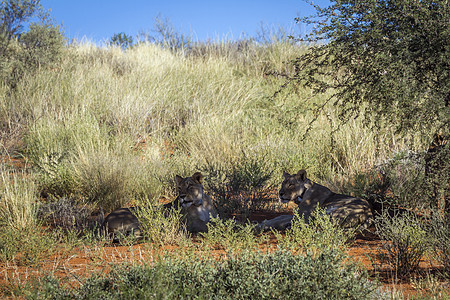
{"x": 195, "y": 205}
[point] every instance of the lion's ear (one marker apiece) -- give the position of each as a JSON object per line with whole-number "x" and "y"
{"x": 197, "y": 177}
{"x": 286, "y": 174}
{"x": 301, "y": 175}
{"x": 178, "y": 179}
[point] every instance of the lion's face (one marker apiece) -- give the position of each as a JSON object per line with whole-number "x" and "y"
{"x": 190, "y": 190}
{"x": 293, "y": 187}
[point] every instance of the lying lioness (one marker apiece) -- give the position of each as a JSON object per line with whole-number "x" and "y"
{"x": 195, "y": 205}
{"x": 124, "y": 221}
{"x": 348, "y": 211}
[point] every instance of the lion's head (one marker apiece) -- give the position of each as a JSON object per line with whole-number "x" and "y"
{"x": 293, "y": 187}
{"x": 190, "y": 190}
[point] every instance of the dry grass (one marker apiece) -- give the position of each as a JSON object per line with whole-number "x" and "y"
{"x": 111, "y": 127}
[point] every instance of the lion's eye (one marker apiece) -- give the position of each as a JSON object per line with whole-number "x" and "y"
{"x": 291, "y": 185}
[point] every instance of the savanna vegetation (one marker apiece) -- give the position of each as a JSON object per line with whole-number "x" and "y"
{"x": 86, "y": 129}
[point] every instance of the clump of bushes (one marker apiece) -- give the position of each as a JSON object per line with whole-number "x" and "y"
{"x": 249, "y": 275}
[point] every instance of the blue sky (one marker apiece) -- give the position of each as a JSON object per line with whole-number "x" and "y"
{"x": 98, "y": 20}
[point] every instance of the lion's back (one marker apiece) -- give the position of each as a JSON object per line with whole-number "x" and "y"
{"x": 348, "y": 211}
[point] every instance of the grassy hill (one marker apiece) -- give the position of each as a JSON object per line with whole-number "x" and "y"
{"x": 104, "y": 127}
{"x": 108, "y": 124}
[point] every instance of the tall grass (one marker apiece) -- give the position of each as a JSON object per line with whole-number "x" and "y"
{"x": 21, "y": 239}
{"x": 131, "y": 120}
{"x": 18, "y": 200}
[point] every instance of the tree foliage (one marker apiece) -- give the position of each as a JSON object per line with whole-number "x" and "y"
{"x": 21, "y": 50}
{"x": 13, "y": 14}
{"x": 387, "y": 60}
{"x": 122, "y": 40}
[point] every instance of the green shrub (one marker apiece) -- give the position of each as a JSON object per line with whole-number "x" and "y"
{"x": 405, "y": 240}
{"x": 230, "y": 235}
{"x": 44, "y": 44}
{"x": 276, "y": 275}
{"x": 319, "y": 234}
{"x": 161, "y": 226}
{"x": 240, "y": 185}
{"x": 122, "y": 40}
{"x": 55, "y": 176}
{"x": 28, "y": 246}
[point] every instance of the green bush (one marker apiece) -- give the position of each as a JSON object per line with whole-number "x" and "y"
{"x": 44, "y": 44}
{"x": 161, "y": 226}
{"x": 239, "y": 186}
{"x": 122, "y": 40}
{"x": 230, "y": 235}
{"x": 405, "y": 240}
{"x": 319, "y": 234}
{"x": 277, "y": 275}
{"x": 55, "y": 176}
{"x": 27, "y": 246}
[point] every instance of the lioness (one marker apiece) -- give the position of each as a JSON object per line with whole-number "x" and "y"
{"x": 196, "y": 206}
{"x": 196, "y": 209}
{"x": 123, "y": 220}
{"x": 348, "y": 211}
